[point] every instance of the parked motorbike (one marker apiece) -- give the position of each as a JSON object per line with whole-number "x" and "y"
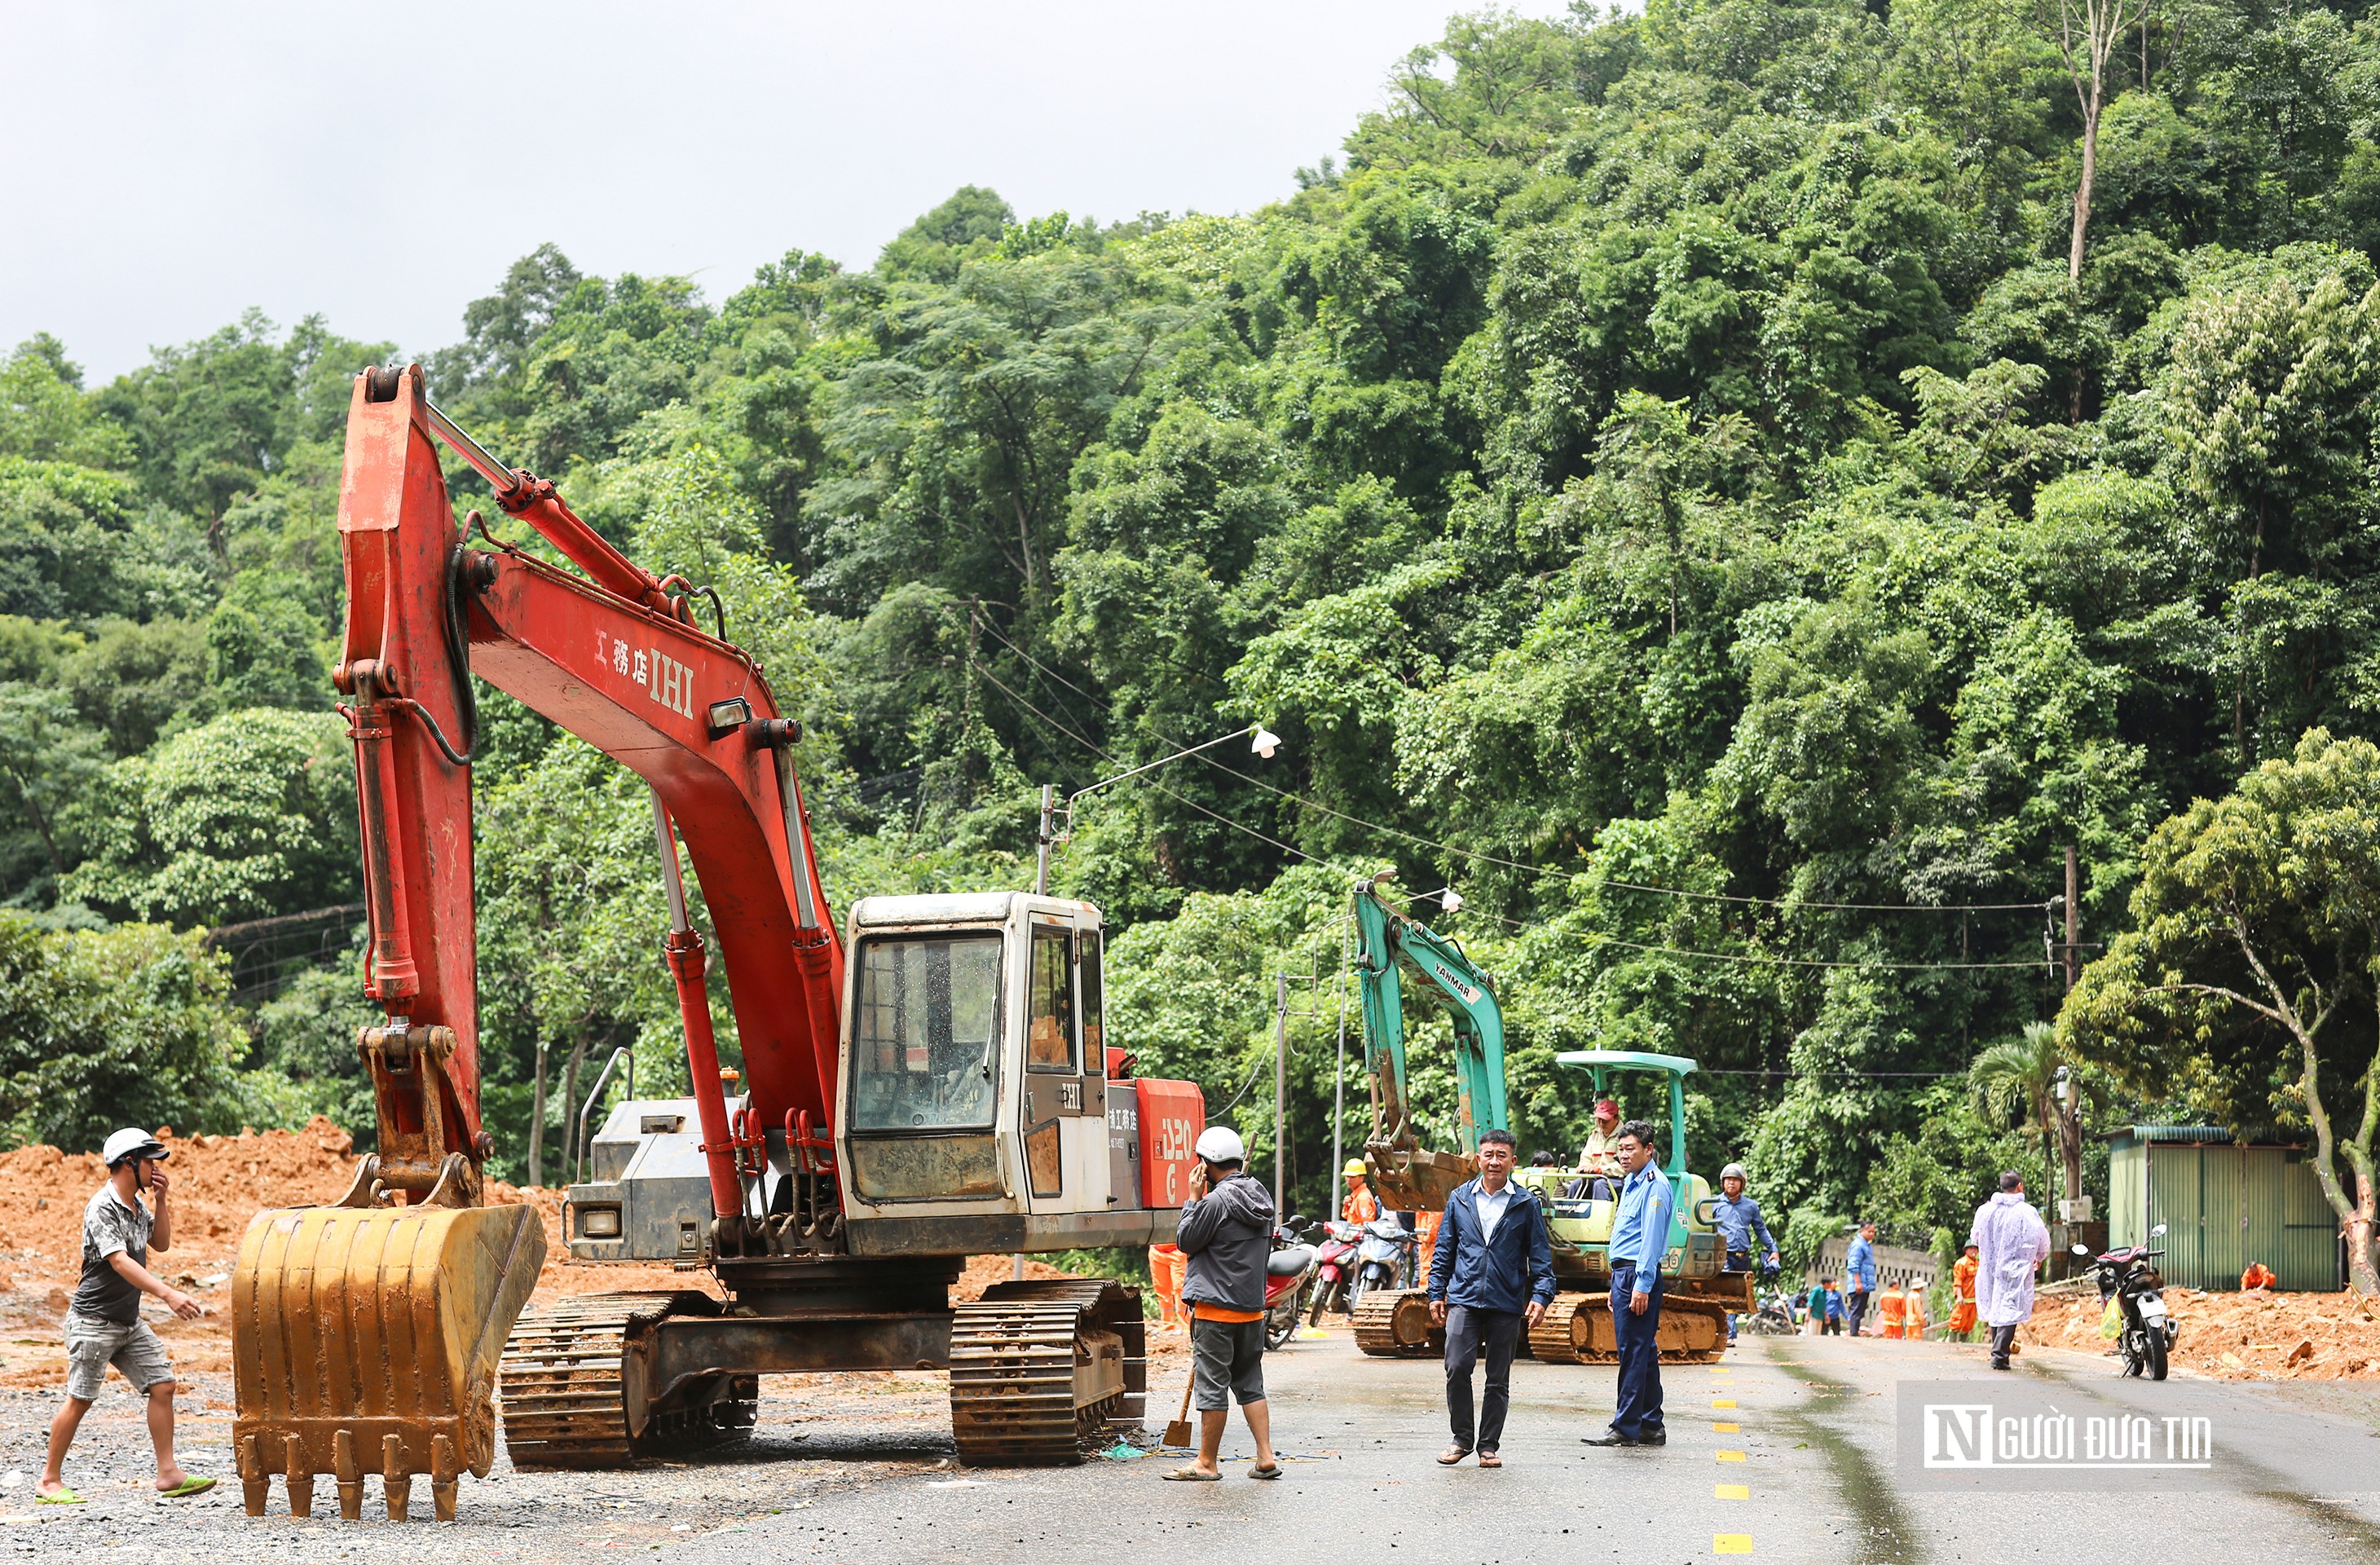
{"x": 1334, "y": 1269}
{"x": 1775, "y": 1316}
{"x": 1289, "y": 1277}
{"x": 1385, "y": 1258}
{"x": 2126, "y": 1276}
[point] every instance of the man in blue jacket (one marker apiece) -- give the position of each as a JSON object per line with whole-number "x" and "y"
{"x": 1859, "y": 1271}
{"x": 1491, "y": 1275}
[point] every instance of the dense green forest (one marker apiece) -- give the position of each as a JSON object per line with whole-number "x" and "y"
{"x": 1685, "y": 480}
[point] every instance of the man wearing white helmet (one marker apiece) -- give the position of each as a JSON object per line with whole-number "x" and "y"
{"x": 104, "y": 1324}
{"x": 1225, "y": 1236}
{"x": 1737, "y": 1218}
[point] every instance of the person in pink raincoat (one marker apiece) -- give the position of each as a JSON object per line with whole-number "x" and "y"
{"x": 2011, "y": 1241}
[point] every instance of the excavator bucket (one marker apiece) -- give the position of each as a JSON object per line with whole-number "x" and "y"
{"x": 367, "y": 1338}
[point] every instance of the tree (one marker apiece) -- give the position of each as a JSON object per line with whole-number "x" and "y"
{"x": 100, "y": 1029}
{"x": 2088, "y": 32}
{"x": 45, "y": 415}
{"x": 2257, "y": 922}
{"x": 250, "y": 815}
{"x": 48, "y": 759}
{"x": 2021, "y": 1077}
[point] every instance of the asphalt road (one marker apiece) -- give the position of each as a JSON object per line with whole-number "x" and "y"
{"x": 1786, "y": 1451}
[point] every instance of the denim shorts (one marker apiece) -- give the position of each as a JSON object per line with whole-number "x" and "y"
{"x": 92, "y": 1344}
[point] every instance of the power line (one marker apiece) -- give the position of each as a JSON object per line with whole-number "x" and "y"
{"x": 1756, "y": 958}
{"x": 1534, "y": 868}
{"x": 1854, "y": 1075}
{"x": 1107, "y": 755}
{"x": 1591, "y": 939}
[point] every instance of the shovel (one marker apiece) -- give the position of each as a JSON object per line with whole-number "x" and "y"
{"x": 1178, "y": 1432}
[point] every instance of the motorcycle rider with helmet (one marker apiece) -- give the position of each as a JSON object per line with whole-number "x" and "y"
{"x": 1737, "y": 1218}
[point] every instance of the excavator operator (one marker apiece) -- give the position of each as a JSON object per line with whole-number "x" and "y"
{"x": 1599, "y": 1159}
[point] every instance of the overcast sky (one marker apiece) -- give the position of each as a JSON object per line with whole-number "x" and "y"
{"x": 164, "y": 167}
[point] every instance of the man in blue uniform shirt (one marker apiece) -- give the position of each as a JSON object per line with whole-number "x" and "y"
{"x": 1639, "y": 1236}
{"x": 1737, "y": 1216}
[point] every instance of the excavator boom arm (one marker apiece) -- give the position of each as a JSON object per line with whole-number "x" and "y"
{"x": 1388, "y": 943}
{"x": 616, "y": 662}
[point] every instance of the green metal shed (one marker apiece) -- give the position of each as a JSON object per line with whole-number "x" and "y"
{"x": 2224, "y": 1206}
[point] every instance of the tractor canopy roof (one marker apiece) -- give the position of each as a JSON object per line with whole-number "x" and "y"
{"x": 1601, "y": 1059}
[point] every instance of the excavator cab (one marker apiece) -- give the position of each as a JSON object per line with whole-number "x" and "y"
{"x": 975, "y": 1084}
{"x": 978, "y": 1107}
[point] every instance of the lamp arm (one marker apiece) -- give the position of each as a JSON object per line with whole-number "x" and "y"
{"x": 1152, "y": 766}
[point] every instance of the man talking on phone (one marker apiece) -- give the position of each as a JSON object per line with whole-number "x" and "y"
{"x": 104, "y": 1324}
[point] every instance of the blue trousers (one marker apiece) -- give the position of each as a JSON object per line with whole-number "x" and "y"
{"x": 1640, "y": 1361}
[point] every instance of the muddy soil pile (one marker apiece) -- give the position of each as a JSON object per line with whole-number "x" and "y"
{"x": 2253, "y": 1335}
{"x": 217, "y": 1184}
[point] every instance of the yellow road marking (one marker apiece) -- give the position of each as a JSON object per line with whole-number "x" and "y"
{"x": 1731, "y": 1456}
{"x": 1731, "y": 1491}
{"x": 1728, "y": 1429}
{"x": 1723, "y": 1402}
{"x": 1731, "y": 1543}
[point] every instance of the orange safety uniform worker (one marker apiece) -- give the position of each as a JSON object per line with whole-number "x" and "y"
{"x": 1165, "y": 1267}
{"x": 1894, "y": 1306}
{"x": 1963, "y": 1289}
{"x": 2258, "y": 1275}
{"x": 1361, "y": 1205}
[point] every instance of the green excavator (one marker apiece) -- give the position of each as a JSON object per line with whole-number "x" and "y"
{"x": 1408, "y": 1176}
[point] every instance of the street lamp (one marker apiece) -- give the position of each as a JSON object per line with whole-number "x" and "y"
{"x": 1262, "y": 742}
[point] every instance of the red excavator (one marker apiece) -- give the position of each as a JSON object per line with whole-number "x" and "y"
{"x": 942, "y": 1089}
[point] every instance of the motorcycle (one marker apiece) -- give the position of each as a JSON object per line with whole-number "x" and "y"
{"x": 2146, "y": 1341}
{"x": 1775, "y": 1316}
{"x": 1289, "y": 1276}
{"x": 1385, "y": 1258}
{"x": 1334, "y": 1269}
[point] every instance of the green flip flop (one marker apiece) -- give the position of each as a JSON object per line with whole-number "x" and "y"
{"x": 186, "y": 1489}
{"x": 64, "y": 1496}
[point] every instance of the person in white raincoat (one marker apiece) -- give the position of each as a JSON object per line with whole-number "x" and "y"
{"x": 2011, "y": 1241}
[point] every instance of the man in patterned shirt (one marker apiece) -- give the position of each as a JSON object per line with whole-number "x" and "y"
{"x": 104, "y": 1324}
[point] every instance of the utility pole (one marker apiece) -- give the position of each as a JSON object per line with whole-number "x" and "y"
{"x": 1280, "y": 1089}
{"x": 2073, "y": 914}
{"x": 1339, "y": 1075}
{"x": 2072, "y": 1207}
{"x": 1046, "y": 833}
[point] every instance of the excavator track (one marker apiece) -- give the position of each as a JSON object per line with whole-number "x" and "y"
{"x": 1576, "y": 1329}
{"x": 1038, "y": 1369}
{"x": 1394, "y": 1323}
{"x": 1562, "y": 1334}
{"x": 573, "y": 1388}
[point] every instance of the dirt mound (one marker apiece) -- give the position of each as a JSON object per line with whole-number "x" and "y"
{"x": 218, "y": 1183}
{"x": 982, "y": 1271}
{"x": 2254, "y": 1335}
